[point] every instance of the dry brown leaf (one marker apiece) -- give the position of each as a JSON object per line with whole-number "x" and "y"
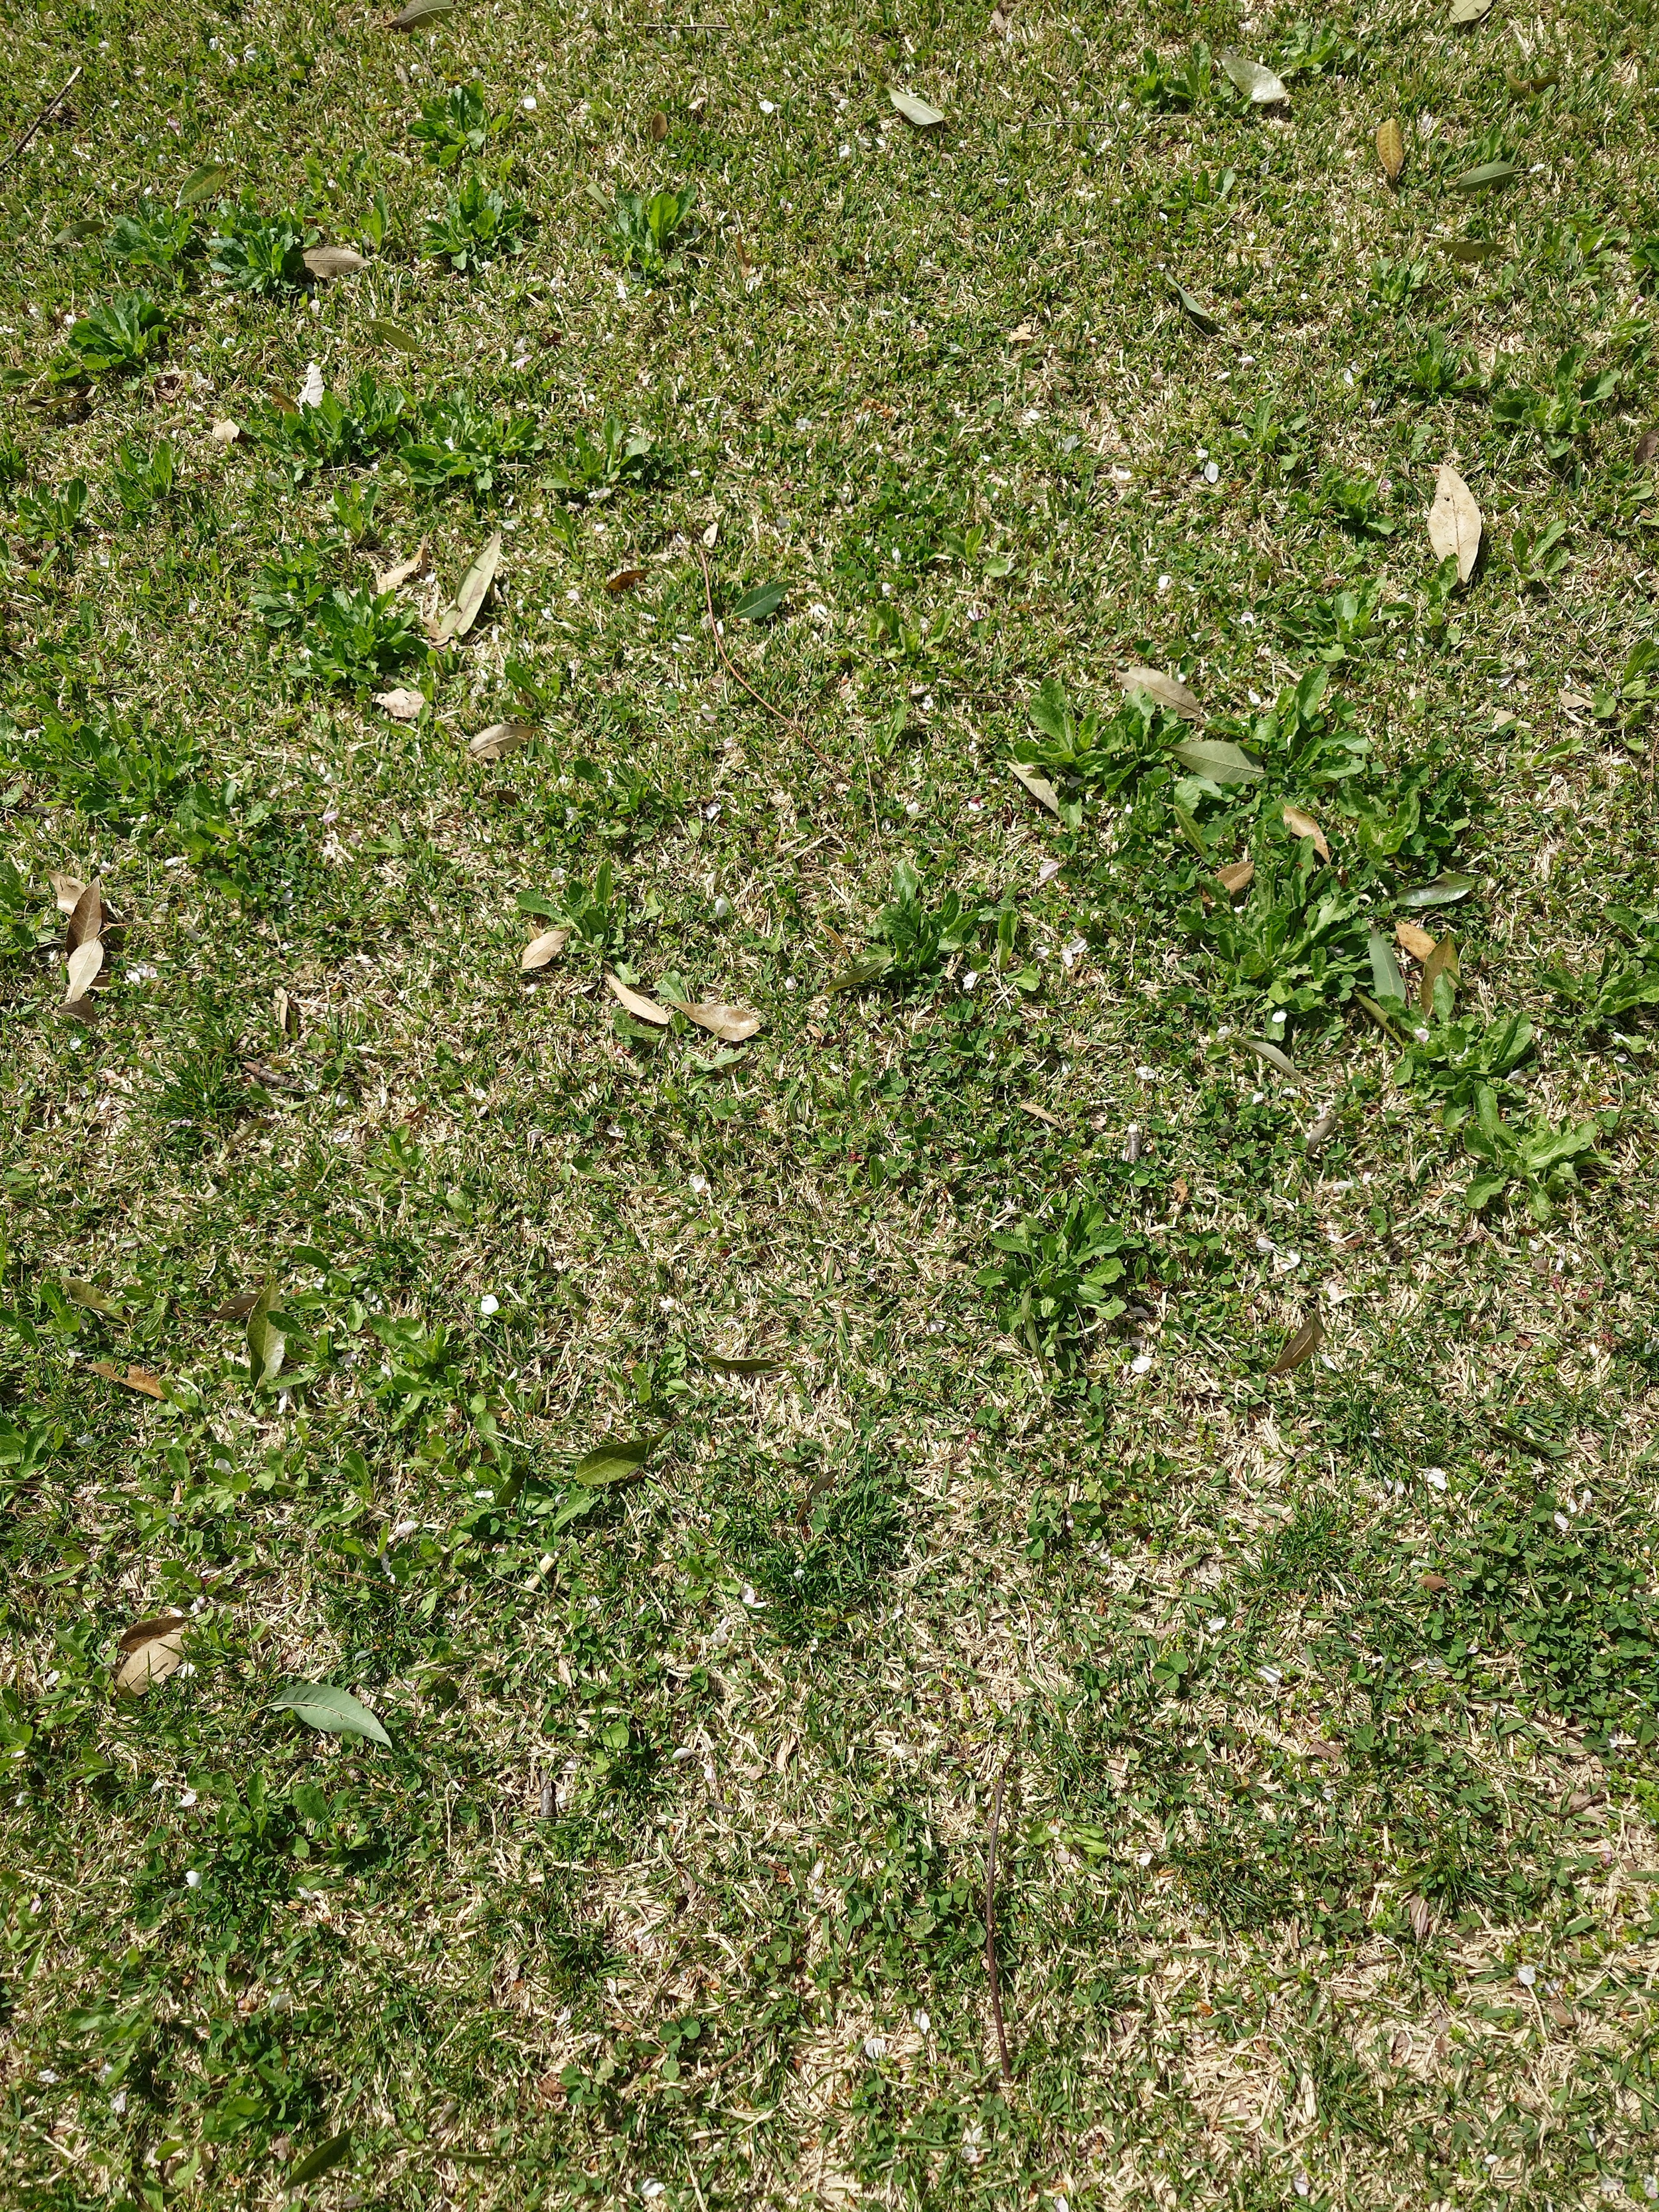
{"x": 1300, "y": 1346}
{"x": 1039, "y": 786}
{"x": 285, "y": 1012}
{"x": 86, "y": 918}
{"x": 501, "y": 738}
{"x": 1441, "y": 961}
{"x": 1454, "y": 523}
{"x": 1235, "y": 876}
{"x": 1002, "y": 19}
{"x": 68, "y": 890}
{"x": 389, "y": 580}
{"x": 732, "y": 1025}
{"x": 1647, "y": 449}
{"x": 1039, "y": 1113}
{"x": 659, "y": 127}
{"x": 1410, "y": 939}
{"x": 1022, "y": 334}
{"x": 238, "y": 1308}
{"x": 402, "y": 704}
{"x": 284, "y": 402}
{"x": 1322, "y": 1131}
{"x": 624, "y": 579}
{"x": 646, "y": 1010}
{"x": 84, "y": 965}
{"x": 1303, "y": 825}
{"x": 129, "y": 1378}
{"x": 1166, "y": 690}
{"x": 226, "y": 433}
{"x": 1178, "y": 1195}
{"x": 540, "y": 949}
{"x": 150, "y": 1651}
{"x": 1391, "y": 149}
{"x": 327, "y": 262}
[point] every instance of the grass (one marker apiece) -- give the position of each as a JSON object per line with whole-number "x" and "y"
{"x": 940, "y": 1317}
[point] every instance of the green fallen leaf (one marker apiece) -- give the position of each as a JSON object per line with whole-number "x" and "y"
{"x": 326, "y": 1706}
{"x": 1444, "y": 890}
{"x": 619, "y": 1459}
{"x": 326, "y": 2156}
{"x": 1214, "y": 758}
{"x": 418, "y": 12}
{"x": 1201, "y": 316}
{"x": 1472, "y": 250}
{"x": 203, "y": 185}
{"x": 1385, "y": 969}
{"x": 266, "y": 1344}
{"x": 1275, "y": 1058}
{"x": 1258, "y": 84}
{"x": 1489, "y": 172}
{"x": 393, "y": 334}
{"x": 917, "y": 110}
{"x": 755, "y": 606}
{"x": 723, "y": 1366}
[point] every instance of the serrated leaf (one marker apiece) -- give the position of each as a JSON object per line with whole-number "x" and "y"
{"x": 755, "y": 606}
{"x": 1391, "y": 148}
{"x": 324, "y": 1705}
{"x": 323, "y": 2159}
{"x": 732, "y": 1025}
{"x": 1163, "y": 690}
{"x": 1454, "y": 523}
{"x": 540, "y": 949}
{"x": 1489, "y": 172}
{"x": 1300, "y": 1346}
{"x": 917, "y": 110}
{"x": 203, "y": 185}
{"x": 266, "y": 1344}
{"x": 1257, "y": 82}
{"x": 85, "y": 965}
{"x": 1303, "y": 825}
{"x": 1275, "y": 1058}
{"x": 1444, "y": 890}
{"x": 417, "y": 12}
{"x": 1216, "y": 759}
{"x": 150, "y": 1651}
{"x": 619, "y": 1459}
{"x": 501, "y": 738}
{"x": 474, "y": 585}
{"x": 1039, "y": 786}
{"x": 641, "y": 1008}
{"x": 1385, "y": 969}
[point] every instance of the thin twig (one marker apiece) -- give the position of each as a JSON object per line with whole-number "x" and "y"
{"x": 39, "y": 119}
{"x": 991, "y": 1930}
{"x": 776, "y": 713}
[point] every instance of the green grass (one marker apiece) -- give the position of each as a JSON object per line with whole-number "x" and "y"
{"x": 1326, "y": 1701}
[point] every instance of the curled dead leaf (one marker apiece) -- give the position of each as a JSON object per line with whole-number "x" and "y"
{"x": 1164, "y": 690}
{"x": 390, "y": 579}
{"x": 402, "y": 704}
{"x": 1391, "y": 148}
{"x": 624, "y": 579}
{"x": 643, "y": 1009}
{"x": 1039, "y": 786}
{"x": 1454, "y": 523}
{"x": 1410, "y": 939}
{"x": 501, "y": 738}
{"x": 540, "y": 949}
{"x": 732, "y": 1025}
{"x": 68, "y": 891}
{"x": 129, "y": 1378}
{"x": 1303, "y": 825}
{"x": 150, "y": 1651}
{"x": 1236, "y": 877}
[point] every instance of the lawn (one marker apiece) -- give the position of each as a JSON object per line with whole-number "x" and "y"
{"x": 829, "y": 937}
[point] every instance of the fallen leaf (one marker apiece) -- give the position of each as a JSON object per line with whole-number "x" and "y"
{"x": 1002, "y": 19}
{"x": 1193, "y": 309}
{"x": 336, "y": 1712}
{"x": 394, "y": 334}
{"x": 390, "y": 579}
{"x": 1386, "y": 978}
{"x": 84, "y": 965}
{"x": 540, "y": 949}
{"x": 1163, "y": 690}
{"x": 732, "y": 1025}
{"x": 327, "y": 262}
{"x": 418, "y": 12}
{"x": 624, "y": 579}
{"x": 756, "y": 605}
{"x": 1258, "y": 83}
{"x": 203, "y": 185}
{"x": 658, "y": 126}
{"x": 266, "y": 1344}
{"x": 859, "y": 973}
{"x": 617, "y": 1460}
{"x": 1039, "y": 786}
{"x": 1178, "y": 1195}
{"x": 1434, "y": 1582}
{"x": 150, "y": 1651}
{"x": 314, "y": 390}
{"x": 501, "y": 738}
{"x": 1300, "y": 1346}
{"x": 723, "y": 1365}
{"x": 90, "y": 1295}
{"x": 1236, "y": 877}
{"x": 1391, "y": 148}
{"x": 403, "y": 706}
{"x": 284, "y": 402}
{"x": 86, "y": 919}
{"x": 226, "y": 433}
{"x": 68, "y": 890}
{"x": 1441, "y": 961}
{"x": 238, "y": 1308}
{"x": 1454, "y": 523}
{"x": 129, "y": 1378}
{"x": 645, "y": 1009}
{"x": 1303, "y": 825}
{"x": 1039, "y": 1113}
{"x": 1022, "y": 334}
{"x": 917, "y": 110}
{"x": 474, "y": 585}
{"x": 1410, "y": 939}
{"x": 329, "y": 2154}
{"x": 1488, "y": 173}
{"x": 1216, "y": 760}
{"x": 1468, "y": 11}
{"x": 1470, "y": 250}
{"x": 1420, "y": 1913}
{"x": 1322, "y": 1131}
{"x": 1647, "y": 449}
{"x": 1275, "y": 1058}
{"x": 1444, "y": 890}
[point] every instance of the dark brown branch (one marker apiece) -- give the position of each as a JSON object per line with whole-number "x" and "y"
{"x": 39, "y": 120}
{"x": 991, "y": 1930}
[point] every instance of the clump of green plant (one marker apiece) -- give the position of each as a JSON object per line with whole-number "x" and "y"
{"x": 457, "y": 124}
{"x": 1056, "y": 1277}
{"x": 52, "y": 518}
{"x": 821, "y": 1563}
{"x": 357, "y": 638}
{"x": 592, "y": 913}
{"x": 593, "y": 467}
{"x": 141, "y": 476}
{"x": 1174, "y": 86}
{"x": 913, "y": 940}
{"x": 24, "y": 928}
{"x": 114, "y": 339}
{"x": 158, "y": 238}
{"x": 287, "y": 587}
{"x": 1544, "y": 1161}
{"x": 336, "y": 433}
{"x": 260, "y": 253}
{"x": 653, "y": 233}
{"x": 1626, "y": 700}
{"x": 1354, "y": 503}
{"x": 1564, "y": 412}
{"x": 1629, "y": 975}
{"x": 1395, "y": 285}
{"x": 452, "y": 444}
{"x": 1315, "y": 50}
{"x": 1439, "y": 368}
{"x": 477, "y": 226}
{"x": 1298, "y": 939}
{"x": 203, "y": 1093}
{"x": 1456, "y": 1061}
{"x": 113, "y": 769}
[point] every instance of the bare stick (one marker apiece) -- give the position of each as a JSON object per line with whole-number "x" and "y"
{"x": 776, "y": 713}
{"x": 991, "y": 1930}
{"x": 38, "y": 122}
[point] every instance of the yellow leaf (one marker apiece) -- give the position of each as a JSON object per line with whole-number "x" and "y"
{"x": 540, "y": 949}
{"x": 1454, "y": 523}
{"x": 1303, "y": 825}
{"x": 646, "y": 1010}
{"x": 150, "y": 1651}
{"x": 1391, "y": 149}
